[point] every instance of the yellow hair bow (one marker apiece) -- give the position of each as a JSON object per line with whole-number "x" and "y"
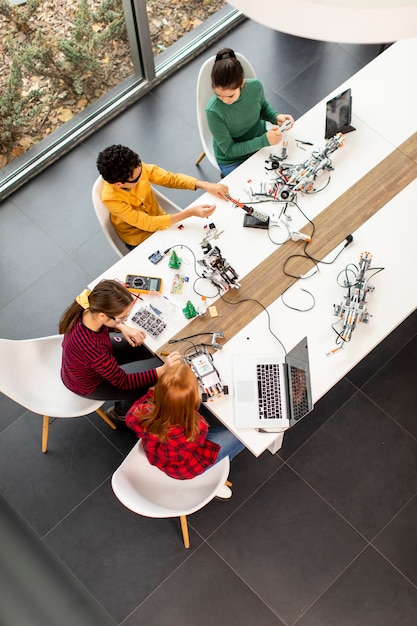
{"x": 83, "y": 300}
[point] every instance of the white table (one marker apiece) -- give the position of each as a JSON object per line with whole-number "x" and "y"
{"x": 384, "y": 118}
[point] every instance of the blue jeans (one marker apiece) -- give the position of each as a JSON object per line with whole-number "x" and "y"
{"x": 226, "y": 169}
{"x": 229, "y": 444}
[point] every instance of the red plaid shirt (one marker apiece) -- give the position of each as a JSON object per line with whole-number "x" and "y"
{"x": 177, "y": 457}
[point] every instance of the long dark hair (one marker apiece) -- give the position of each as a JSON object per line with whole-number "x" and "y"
{"x": 227, "y": 72}
{"x": 108, "y": 296}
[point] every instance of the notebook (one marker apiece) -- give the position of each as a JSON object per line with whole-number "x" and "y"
{"x": 339, "y": 114}
{"x": 270, "y": 395}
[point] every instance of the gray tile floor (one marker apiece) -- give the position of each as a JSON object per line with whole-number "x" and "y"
{"x": 322, "y": 533}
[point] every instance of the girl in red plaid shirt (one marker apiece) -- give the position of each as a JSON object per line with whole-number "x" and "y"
{"x": 175, "y": 437}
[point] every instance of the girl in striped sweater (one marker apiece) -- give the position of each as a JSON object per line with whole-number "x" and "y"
{"x": 105, "y": 365}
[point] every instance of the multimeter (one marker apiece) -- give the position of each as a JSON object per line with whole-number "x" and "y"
{"x": 143, "y": 284}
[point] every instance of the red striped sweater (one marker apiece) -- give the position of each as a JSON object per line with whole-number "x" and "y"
{"x": 87, "y": 360}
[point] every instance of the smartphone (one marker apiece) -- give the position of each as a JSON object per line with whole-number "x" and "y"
{"x": 143, "y": 284}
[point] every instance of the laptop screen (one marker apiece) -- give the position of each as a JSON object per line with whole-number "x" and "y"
{"x": 338, "y": 113}
{"x": 298, "y": 380}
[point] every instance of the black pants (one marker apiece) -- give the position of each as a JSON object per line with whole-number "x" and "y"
{"x": 132, "y": 360}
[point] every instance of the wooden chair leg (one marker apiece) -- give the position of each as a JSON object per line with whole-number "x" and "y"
{"x": 184, "y": 528}
{"x": 106, "y": 418}
{"x": 200, "y": 158}
{"x": 45, "y": 431}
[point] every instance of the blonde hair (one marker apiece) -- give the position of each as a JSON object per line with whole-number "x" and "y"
{"x": 177, "y": 399}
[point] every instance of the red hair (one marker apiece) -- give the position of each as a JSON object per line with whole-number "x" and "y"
{"x": 177, "y": 399}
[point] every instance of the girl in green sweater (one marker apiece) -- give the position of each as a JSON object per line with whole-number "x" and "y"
{"x": 238, "y": 112}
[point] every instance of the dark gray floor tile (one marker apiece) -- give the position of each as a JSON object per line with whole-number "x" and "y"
{"x": 45, "y": 487}
{"x": 119, "y": 556}
{"x": 203, "y": 590}
{"x": 369, "y": 593}
{"x": 37, "y": 310}
{"x": 151, "y": 129}
{"x": 9, "y": 411}
{"x": 384, "y": 351}
{"x": 27, "y": 253}
{"x": 36, "y": 589}
{"x": 362, "y": 463}
{"x": 247, "y": 474}
{"x": 95, "y": 256}
{"x": 364, "y": 53}
{"x": 287, "y": 544}
{"x": 59, "y": 200}
{"x": 281, "y": 105}
{"x": 276, "y": 57}
{"x": 122, "y": 438}
{"x": 398, "y": 541}
{"x": 395, "y": 390}
{"x": 320, "y": 78}
{"x": 296, "y": 436}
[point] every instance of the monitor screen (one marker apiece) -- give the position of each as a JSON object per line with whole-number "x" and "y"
{"x": 338, "y": 114}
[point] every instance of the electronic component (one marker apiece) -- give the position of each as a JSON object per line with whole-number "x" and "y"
{"x": 285, "y": 125}
{"x": 143, "y": 284}
{"x": 354, "y": 309}
{"x": 250, "y": 221}
{"x": 263, "y": 217}
{"x": 294, "y": 178}
{"x": 296, "y": 236}
{"x": 149, "y": 321}
{"x": 156, "y": 257}
{"x": 217, "y": 269}
{"x": 177, "y": 285}
{"x": 201, "y": 362}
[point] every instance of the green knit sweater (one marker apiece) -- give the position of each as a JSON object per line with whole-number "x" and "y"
{"x": 239, "y": 129}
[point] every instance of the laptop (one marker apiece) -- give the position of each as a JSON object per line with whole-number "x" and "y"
{"x": 269, "y": 395}
{"x": 339, "y": 114}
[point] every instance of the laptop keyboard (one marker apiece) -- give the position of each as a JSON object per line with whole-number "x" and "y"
{"x": 269, "y": 392}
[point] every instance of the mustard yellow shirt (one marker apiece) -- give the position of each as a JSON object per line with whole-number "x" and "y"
{"x": 136, "y": 214}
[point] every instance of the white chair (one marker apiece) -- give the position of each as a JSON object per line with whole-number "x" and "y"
{"x": 30, "y": 375}
{"x": 204, "y": 93}
{"x": 146, "y": 490}
{"x": 103, "y": 215}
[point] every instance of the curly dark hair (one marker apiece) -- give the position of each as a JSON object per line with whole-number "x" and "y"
{"x": 116, "y": 164}
{"x": 227, "y": 72}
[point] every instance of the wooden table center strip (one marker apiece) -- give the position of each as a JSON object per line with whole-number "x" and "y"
{"x": 267, "y": 281}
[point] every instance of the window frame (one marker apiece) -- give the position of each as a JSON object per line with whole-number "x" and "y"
{"x": 148, "y": 72}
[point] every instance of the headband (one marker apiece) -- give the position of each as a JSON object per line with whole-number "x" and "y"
{"x": 225, "y": 55}
{"x": 83, "y": 300}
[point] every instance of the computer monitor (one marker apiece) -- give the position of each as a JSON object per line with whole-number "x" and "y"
{"x": 339, "y": 114}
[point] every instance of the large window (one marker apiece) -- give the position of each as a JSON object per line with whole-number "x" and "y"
{"x": 70, "y": 66}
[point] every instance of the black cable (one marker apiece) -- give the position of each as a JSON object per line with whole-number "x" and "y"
{"x": 199, "y": 277}
{"x": 266, "y": 311}
{"x": 189, "y": 337}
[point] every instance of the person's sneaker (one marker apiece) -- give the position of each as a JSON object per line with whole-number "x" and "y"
{"x": 224, "y": 493}
{"x": 119, "y": 420}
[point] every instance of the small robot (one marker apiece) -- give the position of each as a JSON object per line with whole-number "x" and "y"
{"x": 217, "y": 269}
{"x": 301, "y": 177}
{"x": 201, "y": 362}
{"x": 354, "y": 309}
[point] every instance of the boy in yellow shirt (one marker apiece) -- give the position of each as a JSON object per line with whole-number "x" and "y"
{"x": 127, "y": 193}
